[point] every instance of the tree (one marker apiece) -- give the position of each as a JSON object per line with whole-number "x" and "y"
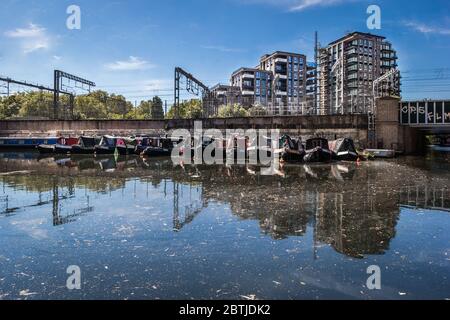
{"x": 232, "y": 111}
{"x": 9, "y": 107}
{"x": 257, "y": 111}
{"x": 157, "y": 108}
{"x": 144, "y": 110}
{"x": 151, "y": 109}
{"x": 90, "y": 107}
{"x": 35, "y": 105}
{"x": 192, "y": 109}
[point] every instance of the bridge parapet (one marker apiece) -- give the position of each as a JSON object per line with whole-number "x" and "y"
{"x": 427, "y": 114}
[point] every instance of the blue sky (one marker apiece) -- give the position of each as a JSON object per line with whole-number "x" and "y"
{"x": 132, "y": 46}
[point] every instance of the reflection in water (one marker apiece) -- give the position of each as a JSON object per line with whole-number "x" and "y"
{"x": 355, "y": 222}
{"x": 353, "y": 209}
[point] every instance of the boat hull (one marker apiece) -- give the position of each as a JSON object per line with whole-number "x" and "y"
{"x": 104, "y": 150}
{"x": 318, "y": 155}
{"x": 346, "y": 156}
{"x": 126, "y": 150}
{"x": 292, "y": 156}
{"x": 46, "y": 149}
{"x": 59, "y": 149}
{"x": 157, "y": 152}
{"x": 82, "y": 150}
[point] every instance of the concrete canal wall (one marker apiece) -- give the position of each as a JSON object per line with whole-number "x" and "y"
{"x": 354, "y": 126}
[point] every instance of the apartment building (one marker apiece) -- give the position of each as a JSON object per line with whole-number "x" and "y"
{"x": 348, "y": 68}
{"x": 311, "y": 84}
{"x": 289, "y": 72}
{"x": 255, "y": 86}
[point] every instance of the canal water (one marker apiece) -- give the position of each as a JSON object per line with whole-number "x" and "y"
{"x": 146, "y": 229}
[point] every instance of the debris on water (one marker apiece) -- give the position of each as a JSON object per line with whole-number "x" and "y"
{"x": 15, "y": 173}
{"x": 26, "y": 293}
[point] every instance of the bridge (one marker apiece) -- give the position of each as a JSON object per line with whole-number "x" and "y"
{"x": 427, "y": 114}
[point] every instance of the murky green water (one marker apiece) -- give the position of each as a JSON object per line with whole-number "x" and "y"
{"x": 150, "y": 230}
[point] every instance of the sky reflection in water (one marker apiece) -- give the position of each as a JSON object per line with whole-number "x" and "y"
{"x": 146, "y": 229}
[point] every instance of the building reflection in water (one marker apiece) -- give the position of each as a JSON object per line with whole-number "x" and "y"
{"x": 346, "y": 207}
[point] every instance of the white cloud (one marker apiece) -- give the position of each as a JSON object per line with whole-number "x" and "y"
{"x": 132, "y": 64}
{"x": 32, "y": 38}
{"x": 426, "y": 29}
{"x": 304, "y": 4}
{"x": 222, "y": 49}
{"x": 300, "y": 5}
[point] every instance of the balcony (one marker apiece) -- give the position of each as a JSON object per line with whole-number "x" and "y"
{"x": 352, "y": 61}
{"x": 352, "y": 85}
{"x": 352, "y": 52}
{"x": 281, "y": 60}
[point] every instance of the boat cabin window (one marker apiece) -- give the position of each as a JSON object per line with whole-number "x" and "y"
{"x": 314, "y": 143}
{"x": 109, "y": 141}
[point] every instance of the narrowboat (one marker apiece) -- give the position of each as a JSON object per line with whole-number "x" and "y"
{"x": 344, "y": 150}
{"x": 318, "y": 150}
{"x": 160, "y": 147}
{"x": 126, "y": 146}
{"x": 107, "y": 145}
{"x": 292, "y": 150}
{"x": 86, "y": 145}
{"x": 142, "y": 144}
{"x": 25, "y": 142}
{"x": 63, "y": 146}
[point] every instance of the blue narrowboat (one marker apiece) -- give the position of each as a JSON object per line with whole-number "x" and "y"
{"x": 25, "y": 142}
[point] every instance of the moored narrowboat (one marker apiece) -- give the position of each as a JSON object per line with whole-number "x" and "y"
{"x": 62, "y": 146}
{"x": 160, "y": 147}
{"x": 126, "y": 146}
{"x": 26, "y": 142}
{"x": 344, "y": 150}
{"x": 107, "y": 145}
{"x": 86, "y": 145}
{"x": 293, "y": 150}
{"x": 318, "y": 150}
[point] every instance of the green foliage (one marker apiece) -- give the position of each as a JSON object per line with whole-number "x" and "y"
{"x": 157, "y": 108}
{"x": 192, "y": 109}
{"x": 257, "y": 111}
{"x": 96, "y": 105}
{"x": 232, "y": 111}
